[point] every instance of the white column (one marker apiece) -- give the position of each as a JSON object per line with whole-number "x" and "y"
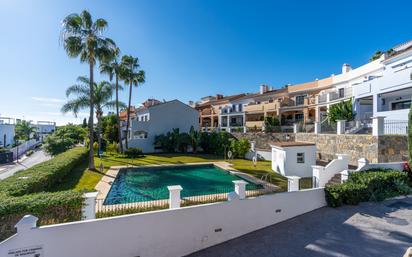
{"x": 26, "y": 223}
{"x": 293, "y": 183}
{"x": 240, "y": 188}
{"x": 89, "y": 207}
{"x": 317, "y": 172}
{"x": 362, "y": 163}
{"x": 344, "y": 160}
{"x": 378, "y": 128}
{"x": 174, "y": 196}
{"x": 295, "y": 128}
{"x": 317, "y": 127}
{"x": 340, "y": 127}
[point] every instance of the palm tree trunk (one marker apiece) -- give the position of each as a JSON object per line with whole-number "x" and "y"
{"x": 99, "y": 131}
{"x": 128, "y": 114}
{"x": 91, "y": 152}
{"x": 119, "y": 131}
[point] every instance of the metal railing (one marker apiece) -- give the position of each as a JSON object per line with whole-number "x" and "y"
{"x": 395, "y": 127}
{"x": 131, "y": 204}
{"x": 115, "y": 206}
{"x": 328, "y": 127}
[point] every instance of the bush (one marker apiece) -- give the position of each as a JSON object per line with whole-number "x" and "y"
{"x": 29, "y": 152}
{"x": 44, "y": 176}
{"x": 215, "y": 142}
{"x": 364, "y": 186}
{"x": 55, "y": 145}
{"x": 133, "y": 152}
{"x": 50, "y": 208}
{"x": 240, "y": 147}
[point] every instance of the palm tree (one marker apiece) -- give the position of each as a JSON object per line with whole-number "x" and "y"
{"x": 24, "y": 130}
{"x": 112, "y": 68}
{"x": 131, "y": 75}
{"x": 102, "y": 98}
{"x": 82, "y": 37}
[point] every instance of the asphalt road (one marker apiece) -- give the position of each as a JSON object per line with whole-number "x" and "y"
{"x": 37, "y": 157}
{"x": 369, "y": 229}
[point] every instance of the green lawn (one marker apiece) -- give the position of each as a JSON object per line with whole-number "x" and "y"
{"x": 84, "y": 179}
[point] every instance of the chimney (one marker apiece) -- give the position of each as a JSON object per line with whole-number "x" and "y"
{"x": 346, "y": 68}
{"x": 263, "y": 88}
{"x": 219, "y": 96}
{"x": 191, "y": 103}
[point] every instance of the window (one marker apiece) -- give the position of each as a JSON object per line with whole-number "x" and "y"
{"x": 145, "y": 118}
{"x": 299, "y": 117}
{"x": 140, "y": 135}
{"x": 299, "y": 99}
{"x": 300, "y": 157}
{"x": 341, "y": 92}
{"x": 400, "y": 105}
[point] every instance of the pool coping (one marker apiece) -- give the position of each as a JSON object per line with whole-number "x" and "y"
{"x": 104, "y": 185}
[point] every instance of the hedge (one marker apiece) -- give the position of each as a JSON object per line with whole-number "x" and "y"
{"x": 43, "y": 176}
{"x": 49, "y": 207}
{"x": 373, "y": 185}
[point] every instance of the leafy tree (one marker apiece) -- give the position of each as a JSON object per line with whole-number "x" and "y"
{"x": 341, "y": 111}
{"x": 110, "y": 129}
{"x": 82, "y": 37}
{"x": 194, "y": 138}
{"x": 183, "y": 141}
{"x": 84, "y": 125}
{"x": 74, "y": 132}
{"x": 24, "y": 130}
{"x": 102, "y": 98}
{"x": 131, "y": 75}
{"x": 54, "y": 144}
{"x": 113, "y": 69}
{"x": 240, "y": 147}
{"x": 272, "y": 124}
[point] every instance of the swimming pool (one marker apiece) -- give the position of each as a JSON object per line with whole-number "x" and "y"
{"x": 148, "y": 184}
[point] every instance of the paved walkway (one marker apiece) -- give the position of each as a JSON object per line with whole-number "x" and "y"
{"x": 370, "y": 229}
{"x": 37, "y": 157}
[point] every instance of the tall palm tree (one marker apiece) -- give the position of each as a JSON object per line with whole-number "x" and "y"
{"x": 24, "y": 130}
{"x": 131, "y": 75}
{"x": 82, "y": 37}
{"x": 102, "y": 98}
{"x": 112, "y": 68}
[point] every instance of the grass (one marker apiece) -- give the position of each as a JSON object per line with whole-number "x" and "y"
{"x": 83, "y": 179}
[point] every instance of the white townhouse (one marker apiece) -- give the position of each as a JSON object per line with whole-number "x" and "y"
{"x": 44, "y": 128}
{"x": 233, "y": 116}
{"x": 388, "y": 95}
{"x": 7, "y": 131}
{"x": 159, "y": 119}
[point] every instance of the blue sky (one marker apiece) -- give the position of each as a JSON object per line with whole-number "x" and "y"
{"x": 192, "y": 48}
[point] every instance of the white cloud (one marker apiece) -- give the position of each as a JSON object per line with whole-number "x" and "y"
{"x": 48, "y": 100}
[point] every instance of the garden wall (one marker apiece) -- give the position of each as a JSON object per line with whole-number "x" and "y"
{"x": 166, "y": 233}
{"x": 375, "y": 149}
{"x": 263, "y": 140}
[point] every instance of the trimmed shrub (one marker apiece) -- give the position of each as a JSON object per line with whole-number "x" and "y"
{"x": 240, "y": 147}
{"x": 133, "y": 152}
{"x": 50, "y": 208}
{"x": 373, "y": 185}
{"x": 44, "y": 176}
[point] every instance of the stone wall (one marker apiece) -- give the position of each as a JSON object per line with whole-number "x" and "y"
{"x": 263, "y": 140}
{"x": 393, "y": 148}
{"x": 375, "y": 149}
{"x": 390, "y": 148}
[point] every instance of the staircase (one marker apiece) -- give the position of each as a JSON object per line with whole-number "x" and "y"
{"x": 336, "y": 179}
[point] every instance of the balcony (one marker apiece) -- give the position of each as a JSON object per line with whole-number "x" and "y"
{"x": 255, "y": 107}
{"x": 335, "y": 95}
{"x": 252, "y": 124}
{"x": 208, "y": 111}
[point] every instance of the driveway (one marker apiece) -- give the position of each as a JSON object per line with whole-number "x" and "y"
{"x": 37, "y": 157}
{"x": 370, "y": 229}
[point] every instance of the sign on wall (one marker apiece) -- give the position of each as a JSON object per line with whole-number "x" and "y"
{"x": 30, "y": 251}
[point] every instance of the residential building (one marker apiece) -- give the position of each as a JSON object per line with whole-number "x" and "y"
{"x": 265, "y": 103}
{"x": 389, "y": 94}
{"x": 7, "y": 131}
{"x": 210, "y": 110}
{"x": 44, "y": 128}
{"x": 155, "y": 119}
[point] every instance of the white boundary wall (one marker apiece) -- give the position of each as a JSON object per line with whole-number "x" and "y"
{"x": 165, "y": 233}
{"x": 24, "y": 147}
{"x": 322, "y": 174}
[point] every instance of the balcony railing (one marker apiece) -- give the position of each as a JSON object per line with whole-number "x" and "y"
{"x": 206, "y": 112}
{"x": 323, "y": 98}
